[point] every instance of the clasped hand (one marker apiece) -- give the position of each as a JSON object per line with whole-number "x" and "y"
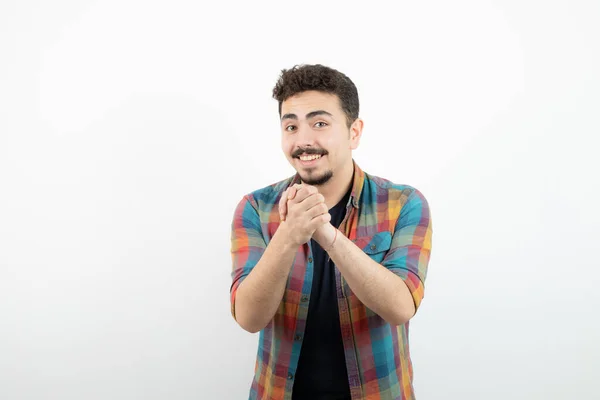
{"x": 302, "y": 208}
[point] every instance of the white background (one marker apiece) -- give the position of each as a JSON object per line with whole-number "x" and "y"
{"x": 129, "y": 130}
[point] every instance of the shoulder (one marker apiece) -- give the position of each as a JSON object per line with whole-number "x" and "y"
{"x": 267, "y": 196}
{"x": 404, "y": 204}
{"x": 377, "y": 187}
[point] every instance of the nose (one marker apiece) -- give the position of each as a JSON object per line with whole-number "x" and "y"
{"x": 305, "y": 136}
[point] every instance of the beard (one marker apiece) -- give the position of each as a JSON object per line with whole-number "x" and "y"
{"x": 316, "y": 180}
{"x": 311, "y": 177}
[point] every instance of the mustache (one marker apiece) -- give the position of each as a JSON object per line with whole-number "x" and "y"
{"x": 309, "y": 151}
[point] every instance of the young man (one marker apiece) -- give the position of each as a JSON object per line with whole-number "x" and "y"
{"x": 329, "y": 264}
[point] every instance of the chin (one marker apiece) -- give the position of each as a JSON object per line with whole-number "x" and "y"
{"x": 316, "y": 179}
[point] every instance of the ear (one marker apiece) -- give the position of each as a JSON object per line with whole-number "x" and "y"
{"x": 356, "y": 133}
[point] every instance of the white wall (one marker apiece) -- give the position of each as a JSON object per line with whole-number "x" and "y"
{"x": 129, "y": 130}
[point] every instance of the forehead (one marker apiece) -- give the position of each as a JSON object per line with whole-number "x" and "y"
{"x": 305, "y": 102}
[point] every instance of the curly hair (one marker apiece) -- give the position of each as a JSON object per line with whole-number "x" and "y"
{"x": 301, "y": 78}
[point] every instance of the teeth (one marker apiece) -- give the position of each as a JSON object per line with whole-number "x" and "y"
{"x": 310, "y": 158}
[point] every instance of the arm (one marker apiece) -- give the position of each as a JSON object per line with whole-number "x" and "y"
{"x": 258, "y": 296}
{"x": 394, "y": 288}
{"x": 260, "y": 272}
{"x": 375, "y": 286}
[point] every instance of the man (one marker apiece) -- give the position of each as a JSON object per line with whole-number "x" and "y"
{"x": 329, "y": 264}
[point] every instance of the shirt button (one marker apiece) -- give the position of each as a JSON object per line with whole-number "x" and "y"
{"x": 373, "y": 247}
{"x": 304, "y": 298}
{"x": 310, "y": 259}
{"x": 290, "y": 376}
{"x": 298, "y": 338}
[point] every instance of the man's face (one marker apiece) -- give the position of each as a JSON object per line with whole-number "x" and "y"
{"x": 315, "y": 137}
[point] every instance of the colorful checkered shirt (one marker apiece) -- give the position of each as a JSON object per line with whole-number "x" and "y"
{"x": 390, "y": 223}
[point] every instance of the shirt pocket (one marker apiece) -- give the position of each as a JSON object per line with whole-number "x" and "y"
{"x": 375, "y": 246}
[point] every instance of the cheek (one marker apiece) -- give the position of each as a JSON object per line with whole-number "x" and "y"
{"x": 286, "y": 145}
{"x": 330, "y": 145}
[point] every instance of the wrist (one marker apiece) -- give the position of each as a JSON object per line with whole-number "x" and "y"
{"x": 285, "y": 237}
{"x": 333, "y": 241}
{"x": 326, "y": 236}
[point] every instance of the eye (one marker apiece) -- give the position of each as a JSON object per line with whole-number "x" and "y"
{"x": 290, "y": 128}
{"x": 322, "y": 124}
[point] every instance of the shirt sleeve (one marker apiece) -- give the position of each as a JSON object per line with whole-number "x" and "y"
{"x": 247, "y": 244}
{"x": 410, "y": 250}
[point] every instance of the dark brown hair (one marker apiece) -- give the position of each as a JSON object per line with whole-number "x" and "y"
{"x": 301, "y": 78}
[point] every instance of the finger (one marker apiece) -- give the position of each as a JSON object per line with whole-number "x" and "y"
{"x": 292, "y": 191}
{"x": 320, "y": 220}
{"x": 295, "y": 189}
{"x": 304, "y": 192}
{"x": 283, "y": 205}
{"x": 317, "y": 209}
{"x": 312, "y": 201}
{"x": 287, "y": 195}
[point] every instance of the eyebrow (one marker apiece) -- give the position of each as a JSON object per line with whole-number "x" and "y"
{"x": 308, "y": 116}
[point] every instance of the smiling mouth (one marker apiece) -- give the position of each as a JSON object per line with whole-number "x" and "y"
{"x": 309, "y": 157}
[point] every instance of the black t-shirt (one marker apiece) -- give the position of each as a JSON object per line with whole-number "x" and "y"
{"x": 321, "y": 372}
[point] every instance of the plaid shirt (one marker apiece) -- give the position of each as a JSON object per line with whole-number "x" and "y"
{"x": 391, "y": 224}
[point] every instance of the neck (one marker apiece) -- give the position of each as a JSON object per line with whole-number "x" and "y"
{"x": 335, "y": 189}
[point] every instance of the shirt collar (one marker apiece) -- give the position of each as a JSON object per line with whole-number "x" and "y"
{"x": 357, "y": 184}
